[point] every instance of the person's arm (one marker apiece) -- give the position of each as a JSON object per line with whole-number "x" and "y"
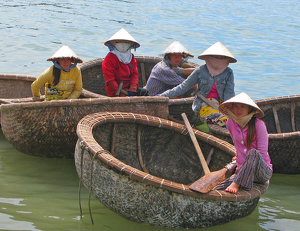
{"x": 77, "y": 87}
{"x": 229, "y": 88}
{"x": 169, "y": 76}
{"x": 108, "y": 69}
{"x": 262, "y": 139}
{"x": 134, "y": 76}
{"x": 191, "y": 81}
{"x": 187, "y": 71}
{"x": 40, "y": 82}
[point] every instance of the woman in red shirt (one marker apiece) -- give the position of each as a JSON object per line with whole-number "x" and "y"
{"x": 120, "y": 66}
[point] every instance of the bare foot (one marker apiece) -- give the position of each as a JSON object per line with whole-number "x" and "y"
{"x": 233, "y": 188}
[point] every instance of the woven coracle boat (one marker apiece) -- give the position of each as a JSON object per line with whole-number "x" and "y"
{"x": 282, "y": 117}
{"x": 15, "y": 85}
{"x": 48, "y": 128}
{"x": 93, "y": 80}
{"x": 17, "y": 88}
{"x": 141, "y": 166}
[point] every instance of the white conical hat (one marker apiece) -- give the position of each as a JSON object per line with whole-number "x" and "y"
{"x": 177, "y": 47}
{"x": 241, "y": 98}
{"x": 122, "y": 35}
{"x": 64, "y": 52}
{"x": 218, "y": 49}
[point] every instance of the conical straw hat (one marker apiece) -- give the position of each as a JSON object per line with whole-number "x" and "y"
{"x": 177, "y": 47}
{"x": 122, "y": 35}
{"x": 218, "y": 49}
{"x": 64, "y": 52}
{"x": 241, "y": 98}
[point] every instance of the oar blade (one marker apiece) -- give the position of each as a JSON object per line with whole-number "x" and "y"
{"x": 209, "y": 181}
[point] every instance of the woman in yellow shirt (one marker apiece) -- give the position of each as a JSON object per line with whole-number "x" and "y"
{"x": 62, "y": 80}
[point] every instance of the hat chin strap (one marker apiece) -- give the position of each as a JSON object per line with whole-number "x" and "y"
{"x": 57, "y": 65}
{"x": 241, "y": 121}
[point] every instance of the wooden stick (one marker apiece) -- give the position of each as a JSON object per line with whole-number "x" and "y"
{"x": 209, "y": 155}
{"x": 293, "y": 106}
{"x": 124, "y": 92}
{"x": 113, "y": 142}
{"x": 144, "y": 82}
{"x": 140, "y": 150}
{"x": 196, "y": 144}
{"x": 208, "y": 102}
{"x": 276, "y": 119}
{"x": 119, "y": 89}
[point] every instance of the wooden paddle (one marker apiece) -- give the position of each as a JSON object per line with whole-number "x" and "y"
{"x": 210, "y": 179}
{"x": 119, "y": 89}
{"x": 208, "y": 102}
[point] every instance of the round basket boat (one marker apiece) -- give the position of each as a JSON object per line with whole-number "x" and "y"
{"x": 15, "y": 86}
{"x": 141, "y": 166}
{"x": 282, "y": 118}
{"x": 93, "y": 81}
{"x": 48, "y": 128}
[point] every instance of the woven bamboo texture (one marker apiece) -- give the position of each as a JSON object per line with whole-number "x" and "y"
{"x": 282, "y": 117}
{"x": 48, "y": 128}
{"x": 16, "y": 85}
{"x": 93, "y": 80}
{"x": 155, "y": 158}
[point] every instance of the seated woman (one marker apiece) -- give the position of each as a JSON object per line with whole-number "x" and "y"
{"x": 167, "y": 73}
{"x": 120, "y": 67}
{"x": 250, "y": 138}
{"x": 215, "y": 82}
{"x": 63, "y": 79}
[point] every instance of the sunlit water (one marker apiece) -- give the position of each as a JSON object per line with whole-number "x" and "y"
{"x": 42, "y": 194}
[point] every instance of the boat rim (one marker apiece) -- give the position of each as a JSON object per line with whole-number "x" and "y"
{"x": 85, "y": 138}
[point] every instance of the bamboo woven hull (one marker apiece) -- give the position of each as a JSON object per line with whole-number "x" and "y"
{"x": 284, "y": 146}
{"x": 15, "y": 86}
{"x": 93, "y": 80}
{"x": 48, "y": 128}
{"x": 109, "y": 155}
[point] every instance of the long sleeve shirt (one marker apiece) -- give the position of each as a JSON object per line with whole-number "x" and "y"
{"x": 260, "y": 141}
{"x": 201, "y": 76}
{"x": 115, "y": 72}
{"x": 69, "y": 86}
{"x": 162, "y": 78}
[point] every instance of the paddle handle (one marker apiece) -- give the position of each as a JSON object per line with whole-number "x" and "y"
{"x": 196, "y": 144}
{"x": 208, "y": 102}
{"x": 119, "y": 89}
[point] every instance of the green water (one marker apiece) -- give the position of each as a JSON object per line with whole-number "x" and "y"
{"x": 42, "y": 194}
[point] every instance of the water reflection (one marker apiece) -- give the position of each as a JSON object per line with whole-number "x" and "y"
{"x": 8, "y": 223}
